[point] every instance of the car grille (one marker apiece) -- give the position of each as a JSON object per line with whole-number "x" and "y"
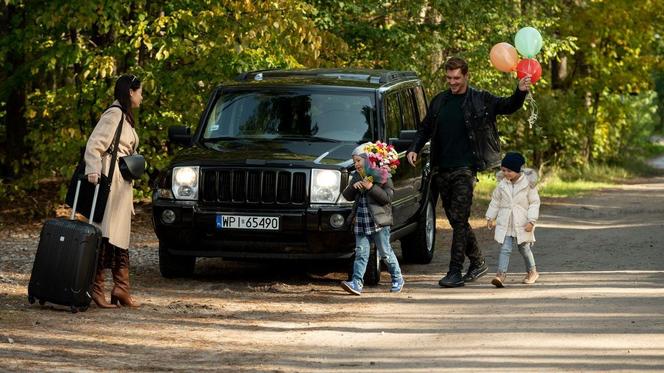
{"x": 254, "y": 186}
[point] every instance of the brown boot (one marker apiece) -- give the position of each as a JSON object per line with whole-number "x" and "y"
{"x": 120, "y": 293}
{"x": 499, "y": 280}
{"x": 98, "y": 286}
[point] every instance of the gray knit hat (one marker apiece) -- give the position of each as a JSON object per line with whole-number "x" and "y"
{"x": 359, "y": 151}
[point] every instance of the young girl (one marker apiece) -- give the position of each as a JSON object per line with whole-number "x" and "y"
{"x": 372, "y": 215}
{"x": 513, "y": 210}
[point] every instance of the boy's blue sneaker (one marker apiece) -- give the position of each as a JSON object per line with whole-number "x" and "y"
{"x": 351, "y": 287}
{"x": 397, "y": 285}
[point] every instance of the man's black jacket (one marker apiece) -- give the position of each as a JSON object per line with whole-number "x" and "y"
{"x": 479, "y": 110}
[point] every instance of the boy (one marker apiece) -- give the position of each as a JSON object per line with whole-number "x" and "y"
{"x": 372, "y": 216}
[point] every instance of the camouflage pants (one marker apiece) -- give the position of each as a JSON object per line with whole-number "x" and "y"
{"x": 456, "y": 192}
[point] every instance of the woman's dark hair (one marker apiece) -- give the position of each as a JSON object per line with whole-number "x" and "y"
{"x": 121, "y": 93}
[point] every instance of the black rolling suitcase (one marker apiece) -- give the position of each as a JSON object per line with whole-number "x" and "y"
{"x": 66, "y": 261}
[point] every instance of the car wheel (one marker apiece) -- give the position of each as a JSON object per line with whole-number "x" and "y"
{"x": 172, "y": 266}
{"x": 372, "y": 274}
{"x": 418, "y": 246}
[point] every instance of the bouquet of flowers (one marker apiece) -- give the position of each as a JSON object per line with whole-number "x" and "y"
{"x": 381, "y": 162}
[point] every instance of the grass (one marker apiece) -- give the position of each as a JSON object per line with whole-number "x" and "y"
{"x": 554, "y": 186}
{"x": 558, "y": 183}
{"x": 653, "y": 149}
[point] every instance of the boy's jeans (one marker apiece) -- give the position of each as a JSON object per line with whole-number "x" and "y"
{"x": 385, "y": 252}
{"x": 506, "y": 250}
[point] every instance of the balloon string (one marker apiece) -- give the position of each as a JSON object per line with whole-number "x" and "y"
{"x": 533, "y": 110}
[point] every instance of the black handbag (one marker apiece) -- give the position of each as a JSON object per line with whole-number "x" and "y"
{"x": 132, "y": 166}
{"x": 87, "y": 189}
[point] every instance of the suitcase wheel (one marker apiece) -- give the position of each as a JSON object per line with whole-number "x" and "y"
{"x": 31, "y": 299}
{"x": 74, "y": 309}
{"x": 42, "y": 302}
{"x": 83, "y": 309}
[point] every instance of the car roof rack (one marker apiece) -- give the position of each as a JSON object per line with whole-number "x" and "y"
{"x": 252, "y": 74}
{"x": 371, "y": 76}
{"x": 391, "y": 76}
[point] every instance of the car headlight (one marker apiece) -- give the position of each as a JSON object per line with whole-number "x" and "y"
{"x": 325, "y": 186}
{"x": 185, "y": 182}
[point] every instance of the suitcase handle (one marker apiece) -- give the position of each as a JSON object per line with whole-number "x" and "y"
{"x": 94, "y": 201}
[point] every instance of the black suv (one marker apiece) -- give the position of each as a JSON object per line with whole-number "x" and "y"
{"x": 261, "y": 177}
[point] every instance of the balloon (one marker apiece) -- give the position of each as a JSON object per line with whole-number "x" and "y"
{"x": 529, "y": 67}
{"x": 528, "y": 42}
{"x": 504, "y": 57}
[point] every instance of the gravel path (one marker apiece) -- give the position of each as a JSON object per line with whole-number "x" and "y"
{"x": 597, "y": 307}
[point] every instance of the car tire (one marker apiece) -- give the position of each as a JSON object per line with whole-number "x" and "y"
{"x": 418, "y": 247}
{"x": 173, "y": 266}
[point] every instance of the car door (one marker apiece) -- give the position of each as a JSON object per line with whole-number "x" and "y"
{"x": 422, "y": 167}
{"x": 400, "y": 115}
{"x": 411, "y": 177}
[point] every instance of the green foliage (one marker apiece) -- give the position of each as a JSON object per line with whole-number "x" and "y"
{"x": 610, "y": 76}
{"x": 601, "y": 59}
{"x": 74, "y": 50}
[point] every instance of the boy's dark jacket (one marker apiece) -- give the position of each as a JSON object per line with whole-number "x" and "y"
{"x": 479, "y": 110}
{"x": 379, "y": 199}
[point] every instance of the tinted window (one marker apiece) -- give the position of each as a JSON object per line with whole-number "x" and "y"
{"x": 270, "y": 114}
{"x": 392, "y": 116}
{"x": 408, "y": 109}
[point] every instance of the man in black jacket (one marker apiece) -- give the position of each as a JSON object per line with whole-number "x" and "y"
{"x": 461, "y": 124}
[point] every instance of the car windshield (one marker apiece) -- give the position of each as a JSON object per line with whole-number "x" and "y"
{"x": 316, "y": 116}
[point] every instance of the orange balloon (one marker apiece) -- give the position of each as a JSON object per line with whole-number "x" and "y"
{"x": 504, "y": 57}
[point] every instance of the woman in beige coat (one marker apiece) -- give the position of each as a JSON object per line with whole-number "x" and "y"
{"x": 116, "y": 224}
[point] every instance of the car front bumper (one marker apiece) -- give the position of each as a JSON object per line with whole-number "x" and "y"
{"x": 303, "y": 233}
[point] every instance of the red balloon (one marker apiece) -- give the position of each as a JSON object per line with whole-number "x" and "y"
{"x": 529, "y": 67}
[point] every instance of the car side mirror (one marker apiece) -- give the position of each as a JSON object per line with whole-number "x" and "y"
{"x": 180, "y": 135}
{"x": 404, "y": 141}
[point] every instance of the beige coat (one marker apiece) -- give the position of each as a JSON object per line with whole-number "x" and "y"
{"x": 116, "y": 224}
{"x": 514, "y": 206}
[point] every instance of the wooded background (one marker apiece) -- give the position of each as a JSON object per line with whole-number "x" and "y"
{"x": 599, "y": 97}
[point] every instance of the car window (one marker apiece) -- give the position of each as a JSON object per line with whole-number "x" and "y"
{"x": 408, "y": 110}
{"x": 392, "y": 116}
{"x": 269, "y": 114}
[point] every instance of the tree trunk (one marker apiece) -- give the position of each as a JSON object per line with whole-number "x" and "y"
{"x": 15, "y": 122}
{"x": 78, "y": 72}
{"x": 659, "y": 88}
{"x": 16, "y": 125}
{"x": 433, "y": 17}
{"x": 559, "y": 73}
{"x": 592, "y": 99}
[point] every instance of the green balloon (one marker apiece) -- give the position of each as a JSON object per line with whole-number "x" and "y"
{"x": 528, "y": 42}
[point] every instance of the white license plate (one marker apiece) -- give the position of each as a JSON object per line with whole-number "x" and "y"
{"x": 265, "y": 223}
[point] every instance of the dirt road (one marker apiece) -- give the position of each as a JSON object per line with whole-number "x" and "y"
{"x": 599, "y": 305}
